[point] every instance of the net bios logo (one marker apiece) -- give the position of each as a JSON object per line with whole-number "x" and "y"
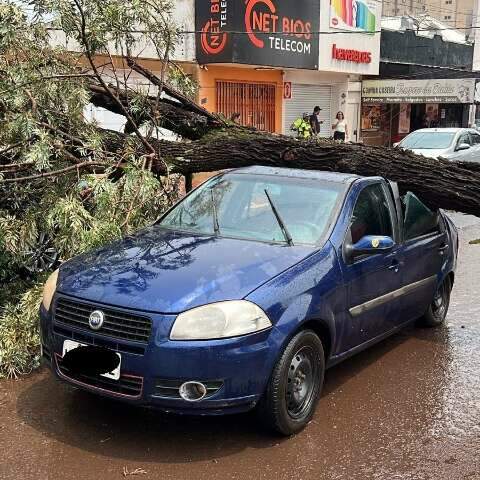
{"x": 213, "y": 39}
{"x": 262, "y": 17}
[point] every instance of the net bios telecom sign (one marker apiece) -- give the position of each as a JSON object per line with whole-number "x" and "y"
{"x": 258, "y": 32}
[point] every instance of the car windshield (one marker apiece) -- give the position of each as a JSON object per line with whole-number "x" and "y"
{"x": 428, "y": 140}
{"x": 241, "y": 207}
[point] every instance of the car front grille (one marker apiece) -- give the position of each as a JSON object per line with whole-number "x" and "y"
{"x": 117, "y": 324}
{"x": 126, "y": 385}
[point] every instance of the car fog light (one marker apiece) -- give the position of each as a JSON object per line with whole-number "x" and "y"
{"x": 192, "y": 391}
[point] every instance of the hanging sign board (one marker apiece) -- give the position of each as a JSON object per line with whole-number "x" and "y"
{"x": 458, "y": 90}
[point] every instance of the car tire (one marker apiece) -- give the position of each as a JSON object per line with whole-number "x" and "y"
{"x": 294, "y": 388}
{"x": 437, "y": 310}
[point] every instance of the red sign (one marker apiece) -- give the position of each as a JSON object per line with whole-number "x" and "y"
{"x": 287, "y": 90}
{"x": 351, "y": 55}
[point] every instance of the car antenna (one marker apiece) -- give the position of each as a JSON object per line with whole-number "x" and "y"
{"x": 281, "y": 223}
{"x": 216, "y": 226}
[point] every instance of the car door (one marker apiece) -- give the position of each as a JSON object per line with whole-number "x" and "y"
{"x": 371, "y": 280}
{"x": 475, "y": 150}
{"x": 424, "y": 252}
{"x": 462, "y": 155}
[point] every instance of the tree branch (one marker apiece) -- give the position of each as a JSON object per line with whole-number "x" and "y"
{"x": 54, "y": 173}
{"x": 88, "y": 53}
{"x": 186, "y": 102}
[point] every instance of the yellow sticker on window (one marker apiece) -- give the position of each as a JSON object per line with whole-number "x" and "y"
{"x": 375, "y": 243}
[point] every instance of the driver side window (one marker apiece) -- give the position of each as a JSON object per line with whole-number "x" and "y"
{"x": 371, "y": 215}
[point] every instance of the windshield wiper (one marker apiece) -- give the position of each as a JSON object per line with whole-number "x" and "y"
{"x": 281, "y": 223}
{"x": 216, "y": 226}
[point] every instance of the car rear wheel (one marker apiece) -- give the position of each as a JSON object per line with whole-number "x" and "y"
{"x": 295, "y": 385}
{"x": 437, "y": 311}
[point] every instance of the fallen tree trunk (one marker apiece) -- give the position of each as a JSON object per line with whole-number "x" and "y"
{"x": 170, "y": 114}
{"x": 215, "y": 145}
{"x": 439, "y": 183}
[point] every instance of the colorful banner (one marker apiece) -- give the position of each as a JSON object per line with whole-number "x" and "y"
{"x": 355, "y": 15}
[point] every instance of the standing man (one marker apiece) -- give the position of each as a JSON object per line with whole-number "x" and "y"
{"x": 314, "y": 121}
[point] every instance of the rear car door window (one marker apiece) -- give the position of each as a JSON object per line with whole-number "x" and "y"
{"x": 371, "y": 215}
{"x": 419, "y": 220}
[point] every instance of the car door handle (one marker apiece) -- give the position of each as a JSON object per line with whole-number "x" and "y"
{"x": 443, "y": 249}
{"x": 395, "y": 266}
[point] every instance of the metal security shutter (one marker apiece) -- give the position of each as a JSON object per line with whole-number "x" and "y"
{"x": 304, "y": 98}
{"x": 255, "y": 102}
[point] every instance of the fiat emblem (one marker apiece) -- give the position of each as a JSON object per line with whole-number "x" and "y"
{"x": 96, "y": 319}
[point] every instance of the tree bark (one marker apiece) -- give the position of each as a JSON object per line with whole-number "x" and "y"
{"x": 186, "y": 123}
{"x": 439, "y": 183}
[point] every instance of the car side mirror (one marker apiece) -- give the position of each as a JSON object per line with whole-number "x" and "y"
{"x": 462, "y": 146}
{"x": 371, "y": 245}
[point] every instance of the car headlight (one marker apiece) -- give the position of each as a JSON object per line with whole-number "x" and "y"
{"x": 220, "y": 320}
{"x": 49, "y": 289}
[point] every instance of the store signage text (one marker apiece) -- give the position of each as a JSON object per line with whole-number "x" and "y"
{"x": 418, "y": 91}
{"x": 259, "y": 32}
{"x": 213, "y": 39}
{"x": 268, "y": 22}
{"x": 350, "y": 55}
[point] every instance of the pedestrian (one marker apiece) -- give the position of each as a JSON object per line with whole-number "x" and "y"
{"x": 314, "y": 120}
{"x": 340, "y": 129}
{"x": 302, "y": 127}
{"x": 235, "y": 117}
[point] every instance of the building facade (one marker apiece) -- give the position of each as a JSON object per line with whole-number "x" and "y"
{"x": 423, "y": 82}
{"x": 273, "y": 61}
{"x": 457, "y": 14}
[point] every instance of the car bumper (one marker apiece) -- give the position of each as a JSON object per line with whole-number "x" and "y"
{"x": 234, "y": 370}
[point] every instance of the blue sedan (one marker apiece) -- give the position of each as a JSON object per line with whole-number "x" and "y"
{"x": 243, "y": 293}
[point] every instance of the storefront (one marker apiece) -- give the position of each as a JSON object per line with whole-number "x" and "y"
{"x": 308, "y": 89}
{"x": 242, "y": 56}
{"x": 265, "y": 60}
{"x": 349, "y": 49}
{"x": 393, "y": 108}
{"x": 255, "y": 94}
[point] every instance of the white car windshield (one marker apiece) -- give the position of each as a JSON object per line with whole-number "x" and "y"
{"x": 428, "y": 140}
{"x": 242, "y": 206}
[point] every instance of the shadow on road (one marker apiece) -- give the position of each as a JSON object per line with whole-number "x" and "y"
{"x": 112, "y": 429}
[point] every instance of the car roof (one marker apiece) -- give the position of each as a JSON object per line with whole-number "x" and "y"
{"x": 298, "y": 173}
{"x": 447, "y": 130}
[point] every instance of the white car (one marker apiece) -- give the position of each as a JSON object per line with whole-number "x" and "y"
{"x": 451, "y": 143}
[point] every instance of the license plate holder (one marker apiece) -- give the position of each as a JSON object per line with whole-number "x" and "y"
{"x": 113, "y": 375}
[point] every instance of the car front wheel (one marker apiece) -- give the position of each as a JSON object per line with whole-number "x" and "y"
{"x": 437, "y": 311}
{"x": 295, "y": 385}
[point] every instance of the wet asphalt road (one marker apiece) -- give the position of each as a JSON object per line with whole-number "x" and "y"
{"x": 408, "y": 408}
